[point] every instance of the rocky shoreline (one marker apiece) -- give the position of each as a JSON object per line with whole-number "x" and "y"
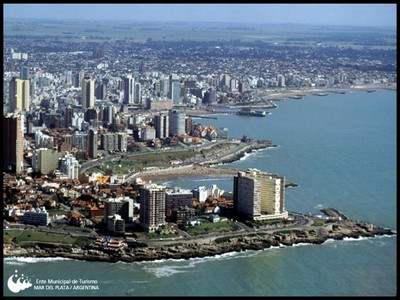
{"x": 338, "y": 228}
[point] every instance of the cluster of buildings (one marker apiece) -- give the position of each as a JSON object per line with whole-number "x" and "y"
{"x": 257, "y": 196}
{"x": 67, "y": 103}
{"x": 104, "y": 99}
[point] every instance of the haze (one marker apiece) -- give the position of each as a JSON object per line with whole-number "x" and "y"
{"x": 313, "y": 14}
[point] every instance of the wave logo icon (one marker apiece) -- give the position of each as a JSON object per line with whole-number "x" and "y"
{"x": 21, "y": 283}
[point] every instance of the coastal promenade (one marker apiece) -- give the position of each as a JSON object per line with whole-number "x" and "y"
{"x": 302, "y": 230}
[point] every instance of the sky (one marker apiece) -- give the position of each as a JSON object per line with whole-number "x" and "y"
{"x": 313, "y": 14}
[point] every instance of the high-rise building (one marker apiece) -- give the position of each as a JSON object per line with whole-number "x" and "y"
{"x": 259, "y": 195}
{"x": 24, "y": 73}
{"x": 80, "y": 140}
{"x": 122, "y": 206}
{"x": 129, "y": 90}
{"x": 161, "y": 124}
{"x": 92, "y": 114}
{"x": 138, "y": 93}
{"x": 177, "y": 121}
{"x": 122, "y": 142}
{"x": 92, "y": 143}
{"x": 87, "y": 98}
{"x": 281, "y": 80}
{"x": 164, "y": 87}
{"x": 109, "y": 141}
{"x": 69, "y": 165}
{"x": 175, "y": 92}
{"x": 77, "y": 79}
{"x": 19, "y": 95}
{"x": 68, "y": 115}
{"x": 108, "y": 114}
{"x": 45, "y": 160}
{"x": 13, "y": 135}
{"x": 101, "y": 91}
{"x": 152, "y": 207}
{"x": 176, "y": 197}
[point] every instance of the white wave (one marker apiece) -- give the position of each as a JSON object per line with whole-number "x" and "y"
{"x": 225, "y": 256}
{"x": 15, "y": 263}
{"x": 16, "y": 259}
{"x": 128, "y": 292}
{"x": 319, "y": 206}
{"x": 361, "y": 238}
{"x": 330, "y": 241}
{"x": 166, "y": 271}
{"x": 301, "y": 244}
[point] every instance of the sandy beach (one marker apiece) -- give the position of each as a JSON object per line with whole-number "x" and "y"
{"x": 190, "y": 170}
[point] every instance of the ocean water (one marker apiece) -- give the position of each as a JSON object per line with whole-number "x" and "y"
{"x": 340, "y": 149}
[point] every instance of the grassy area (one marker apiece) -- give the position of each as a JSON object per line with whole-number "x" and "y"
{"x": 30, "y": 237}
{"x": 126, "y": 164}
{"x": 208, "y": 227}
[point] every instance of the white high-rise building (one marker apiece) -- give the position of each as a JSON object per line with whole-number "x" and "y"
{"x": 281, "y": 80}
{"x": 69, "y": 166}
{"x": 19, "y": 95}
{"x": 259, "y": 195}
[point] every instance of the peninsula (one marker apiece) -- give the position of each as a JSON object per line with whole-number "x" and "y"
{"x": 303, "y": 229}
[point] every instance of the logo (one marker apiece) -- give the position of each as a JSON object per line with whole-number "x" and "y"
{"x": 16, "y": 283}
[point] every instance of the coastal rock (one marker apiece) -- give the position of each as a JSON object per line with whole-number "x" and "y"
{"x": 340, "y": 229}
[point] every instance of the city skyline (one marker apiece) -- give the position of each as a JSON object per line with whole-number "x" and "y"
{"x": 311, "y": 14}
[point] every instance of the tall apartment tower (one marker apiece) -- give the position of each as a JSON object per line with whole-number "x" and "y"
{"x": 92, "y": 143}
{"x": 129, "y": 90}
{"x": 122, "y": 206}
{"x": 77, "y": 79}
{"x": 259, "y": 195}
{"x": 138, "y": 93}
{"x": 13, "y": 134}
{"x": 19, "y": 95}
{"x": 24, "y": 73}
{"x": 68, "y": 115}
{"x": 177, "y": 122}
{"x": 87, "y": 98}
{"x": 175, "y": 92}
{"x": 164, "y": 87}
{"x": 152, "y": 207}
{"x": 69, "y": 165}
{"x": 161, "y": 124}
{"x": 281, "y": 80}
